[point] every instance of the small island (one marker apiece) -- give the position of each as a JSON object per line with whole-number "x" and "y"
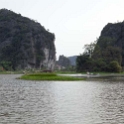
{"x": 49, "y": 77}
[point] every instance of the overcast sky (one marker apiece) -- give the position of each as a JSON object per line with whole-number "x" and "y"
{"x": 74, "y": 22}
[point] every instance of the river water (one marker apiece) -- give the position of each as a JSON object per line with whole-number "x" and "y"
{"x": 57, "y": 102}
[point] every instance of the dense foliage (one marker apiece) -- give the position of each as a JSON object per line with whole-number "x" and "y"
{"x": 106, "y": 53}
{"x": 107, "y": 60}
{"x": 22, "y": 40}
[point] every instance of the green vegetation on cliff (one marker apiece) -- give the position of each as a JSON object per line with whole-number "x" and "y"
{"x": 22, "y": 41}
{"x": 106, "y": 53}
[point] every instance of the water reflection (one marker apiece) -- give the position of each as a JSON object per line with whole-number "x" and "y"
{"x": 37, "y": 102}
{"x": 112, "y": 102}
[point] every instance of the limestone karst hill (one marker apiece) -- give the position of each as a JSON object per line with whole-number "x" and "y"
{"x": 106, "y": 54}
{"x": 24, "y": 43}
{"x": 111, "y": 43}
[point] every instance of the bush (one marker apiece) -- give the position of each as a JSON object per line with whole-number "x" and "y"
{"x": 115, "y": 67}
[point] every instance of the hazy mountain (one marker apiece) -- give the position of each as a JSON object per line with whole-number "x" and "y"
{"x": 72, "y": 60}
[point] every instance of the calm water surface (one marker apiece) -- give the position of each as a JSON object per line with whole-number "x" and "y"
{"x": 77, "y": 102}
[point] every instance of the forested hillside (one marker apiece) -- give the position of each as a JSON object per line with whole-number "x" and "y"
{"x": 24, "y": 43}
{"x": 106, "y": 53}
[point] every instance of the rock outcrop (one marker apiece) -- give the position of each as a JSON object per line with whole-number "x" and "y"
{"x": 112, "y": 36}
{"x": 63, "y": 61}
{"x": 24, "y": 43}
{"x": 106, "y": 54}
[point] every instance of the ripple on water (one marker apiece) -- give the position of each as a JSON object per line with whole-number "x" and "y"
{"x": 39, "y": 102}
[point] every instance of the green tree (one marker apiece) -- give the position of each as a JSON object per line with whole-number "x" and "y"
{"x": 112, "y": 53}
{"x": 6, "y": 65}
{"x": 84, "y": 63}
{"x": 115, "y": 67}
{"x": 105, "y": 41}
{"x": 100, "y": 65}
{"x": 89, "y": 48}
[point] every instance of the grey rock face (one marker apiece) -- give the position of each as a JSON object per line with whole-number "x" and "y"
{"x": 25, "y": 43}
{"x": 115, "y": 32}
{"x": 63, "y": 61}
{"x": 113, "y": 35}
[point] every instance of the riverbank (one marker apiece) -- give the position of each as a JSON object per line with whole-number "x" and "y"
{"x": 60, "y": 76}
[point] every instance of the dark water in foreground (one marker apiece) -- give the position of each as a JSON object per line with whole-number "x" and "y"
{"x": 82, "y": 102}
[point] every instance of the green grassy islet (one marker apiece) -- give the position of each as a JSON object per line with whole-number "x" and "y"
{"x": 49, "y": 77}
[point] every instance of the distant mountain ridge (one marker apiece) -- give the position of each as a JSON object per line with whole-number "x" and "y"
{"x": 73, "y": 60}
{"x": 63, "y": 61}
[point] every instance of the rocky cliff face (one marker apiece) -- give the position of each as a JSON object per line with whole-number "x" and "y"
{"x": 63, "y": 61}
{"x": 24, "y": 43}
{"x": 112, "y": 36}
{"x": 114, "y": 32}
